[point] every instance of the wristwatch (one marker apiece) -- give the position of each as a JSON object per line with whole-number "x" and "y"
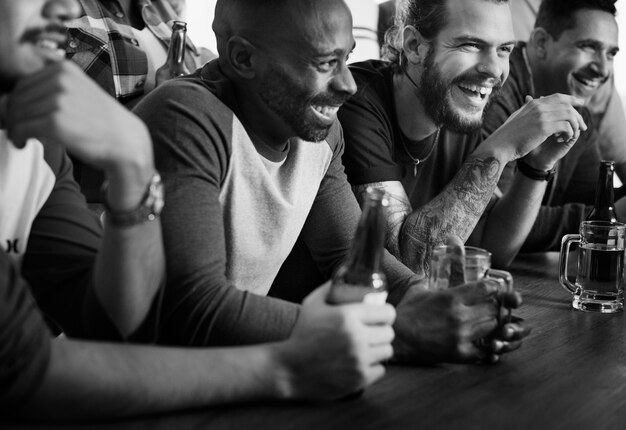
{"x": 536, "y": 174}
{"x": 148, "y": 209}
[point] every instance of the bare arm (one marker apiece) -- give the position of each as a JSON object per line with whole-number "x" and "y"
{"x": 333, "y": 351}
{"x": 61, "y": 106}
{"x": 457, "y": 209}
{"x": 411, "y": 234}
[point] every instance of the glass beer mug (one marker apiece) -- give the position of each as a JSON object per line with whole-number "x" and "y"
{"x": 476, "y": 265}
{"x": 600, "y": 271}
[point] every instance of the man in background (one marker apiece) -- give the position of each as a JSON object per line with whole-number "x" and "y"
{"x": 570, "y": 51}
{"x": 120, "y": 44}
{"x": 413, "y": 129}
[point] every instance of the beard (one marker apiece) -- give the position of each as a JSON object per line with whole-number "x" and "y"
{"x": 292, "y": 103}
{"x": 7, "y": 83}
{"x": 437, "y": 98}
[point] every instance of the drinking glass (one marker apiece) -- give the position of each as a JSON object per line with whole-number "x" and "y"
{"x": 599, "y": 281}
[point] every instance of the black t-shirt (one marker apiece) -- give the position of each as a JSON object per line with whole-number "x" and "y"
{"x": 24, "y": 338}
{"x": 376, "y": 149}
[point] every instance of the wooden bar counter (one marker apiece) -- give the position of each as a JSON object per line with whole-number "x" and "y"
{"x": 569, "y": 374}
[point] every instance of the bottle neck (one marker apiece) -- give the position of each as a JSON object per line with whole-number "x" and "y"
{"x": 366, "y": 252}
{"x": 604, "y": 190}
{"x": 176, "y": 51}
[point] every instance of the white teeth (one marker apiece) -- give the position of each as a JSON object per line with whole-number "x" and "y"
{"x": 485, "y": 91}
{"x": 48, "y": 44}
{"x": 327, "y": 111}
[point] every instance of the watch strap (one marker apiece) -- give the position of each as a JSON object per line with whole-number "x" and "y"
{"x": 535, "y": 174}
{"x": 148, "y": 209}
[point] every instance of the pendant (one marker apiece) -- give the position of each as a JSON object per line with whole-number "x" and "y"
{"x": 415, "y": 163}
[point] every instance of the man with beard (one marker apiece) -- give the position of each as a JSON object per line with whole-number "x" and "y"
{"x": 413, "y": 129}
{"x": 571, "y": 51}
{"x": 250, "y": 151}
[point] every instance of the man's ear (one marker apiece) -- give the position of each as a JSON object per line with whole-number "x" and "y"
{"x": 540, "y": 40}
{"x": 414, "y": 45}
{"x": 242, "y": 56}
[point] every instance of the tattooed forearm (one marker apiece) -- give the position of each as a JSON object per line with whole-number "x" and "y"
{"x": 411, "y": 235}
{"x": 455, "y": 211}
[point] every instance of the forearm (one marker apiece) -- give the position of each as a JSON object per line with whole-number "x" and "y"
{"x": 130, "y": 269}
{"x": 511, "y": 219}
{"x": 551, "y": 224}
{"x": 100, "y": 380}
{"x": 455, "y": 211}
{"x": 130, "y": 265}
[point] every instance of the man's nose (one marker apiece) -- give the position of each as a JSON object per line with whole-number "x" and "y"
{"x": 492, "y": 64}
{"x": 343, "y": 81}
{"x": 601, "y": 64}
{"x": 62, "y": 10}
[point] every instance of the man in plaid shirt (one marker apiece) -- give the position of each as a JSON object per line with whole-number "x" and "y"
{"x": 120, "y": 44}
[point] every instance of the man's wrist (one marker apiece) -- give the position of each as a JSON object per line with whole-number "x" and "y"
{"x": 533, "y": 173}
{"x": 148, "y": 209}
{"x": 280, "y": 376}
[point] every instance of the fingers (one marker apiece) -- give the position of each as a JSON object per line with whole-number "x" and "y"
{"x": 514, "y": 331}
{"x": 563, "y": 99}
{"x": 374, "y": 373}
{"x": 20, "y": 132}
{"x": 510, "y": 299}
{"x": 473, "y": 293}
{"x": 317, "y": 296}
{"x": 379, "y": 335}
{"x": 456, "y": 254}
{"x": 377, "y": 314}
{"x": 379, "y": 354}
{"x": 498, "y": 346}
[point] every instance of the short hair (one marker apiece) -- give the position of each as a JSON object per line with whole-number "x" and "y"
{"x": 427, "y": 16}
{"x": 556, "y": 16}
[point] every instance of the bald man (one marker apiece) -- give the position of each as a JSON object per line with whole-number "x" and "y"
{"x": 250, "y": 152}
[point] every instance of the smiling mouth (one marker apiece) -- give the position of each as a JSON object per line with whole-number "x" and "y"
{"x": 49, "y": 39}
{"x": 476, "y": 91}
{"x": 591, "y": 84}
{"x": 328, "y": 113}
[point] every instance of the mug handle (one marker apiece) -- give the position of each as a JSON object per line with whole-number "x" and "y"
{"x": 566, "y": 242}
{"x": 506, "y": 279}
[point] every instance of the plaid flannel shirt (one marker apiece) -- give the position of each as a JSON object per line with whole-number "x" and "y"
{"x": 102, "y": 43}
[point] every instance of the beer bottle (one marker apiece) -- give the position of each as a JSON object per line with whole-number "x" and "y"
{"x": 360, "y": 278}
{"x": 603, "y": 208}
{"x": 175, "y": 63}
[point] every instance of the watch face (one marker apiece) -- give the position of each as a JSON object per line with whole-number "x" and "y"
{"x": 156, "y": 190}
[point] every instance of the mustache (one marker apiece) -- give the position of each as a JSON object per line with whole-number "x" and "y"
{"x": 330, "y": 99}
{"x": 593, "y": 74}
{"x": 34, "y": 34}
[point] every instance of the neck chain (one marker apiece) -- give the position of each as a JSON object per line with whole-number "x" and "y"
{"x": 417, "y": 161}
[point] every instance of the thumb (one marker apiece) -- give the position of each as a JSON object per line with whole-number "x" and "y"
{"x": 456, "y": 254}
{"x": 318, "y": 296}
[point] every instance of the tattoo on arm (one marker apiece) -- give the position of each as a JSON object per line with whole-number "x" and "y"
{"x": 455, "y": 211}
{"x": 411, "y": 235}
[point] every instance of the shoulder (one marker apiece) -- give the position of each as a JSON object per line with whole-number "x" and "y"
{"x": 372, "y": 102}
{"x": 371, "y": 77}
{"x": 191, "y": 103}
{"x": 335, "y": 137}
